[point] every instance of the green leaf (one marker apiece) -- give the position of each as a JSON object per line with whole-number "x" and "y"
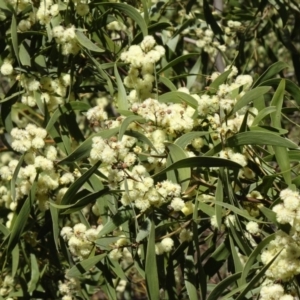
{"x": 290, "y": 87}
{"x": 14, "y": 178}
{"x": 294, "y": 155}
{"x": 123, "y": 215}
{"x": 268, "y": 213}
{"x": 183, "y": 175}
{"x": 200, "y": 162}
{"x": 281, "y": 153}
{"x": 140, "y": 137}
{"x": 145, "y": 10}
{"x": 14, "y": 95}
{"x": 283, "y": 161}
{"x": 5, "y": 231}
{"x": 209, "y": 18}
{"x": 238, "y": 211}
{"x": 219, "y": 198}
{"x": 223, "y": 285}
{"x": 24, "y": 56}
{"x": 253, "y": 256}
{"x": 14, "y": 37}
{"x": 194, "y": 73}
{"x": 117, "y": 269}
{"x": 15, "y": 260}
{"x": 76, "y": 185}
{"x": 106, "y": 243}
{"x": 273, "y": 70}
{"x": 262, "y": 114}
{"x": 259, "y": 138}
{"x": 238, "y": 267}
{"x": 249, "y": 97}
{"x": 239, "y": 238}
{"x": 187, "y": 138}
{"x": 167, "y": 82}
{"x": 277, "y": 101}
{"x": 69, "y": 107}
{"x": 35, "y": 274}
{"x": 264, "y": 128}
{"x": 87, "y": 43}
{"x": 216, "y": 259}
{"x": 178, "y": 97}
{"x": 190, "y": 279}
{"x": 129, "y": 10}
{"x": 151, "y": 266}
{"x": 83, "y": 202}
{"x": 122, "y": 96}
{"x": 85, "y": 265}
{"x": 144, "y": 230}
{"x": 126, "y": 122}
{"x": 20, "y": 221}
{"x": 55, "y": 225}
{"x": 100, "y": 69}
{"x": 177, "y": 61}
{"x": 213, "y": 87}
{"x": 6, "y": 107}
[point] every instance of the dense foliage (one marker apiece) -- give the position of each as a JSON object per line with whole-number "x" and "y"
{"x": 146, "y": 149}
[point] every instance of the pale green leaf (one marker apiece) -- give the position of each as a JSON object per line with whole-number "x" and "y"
{"x": 121, "y": 94}
{"x": 151, "y": 267}
{"x": 259, "y": 138}
{"x": 262, "y": 114}
{"x": 253, "y": 257}
{"x": 87, "y": 43}
{"x": 272, "y": 71}
{"x": 126, "y": 122}
{"x": 249, "y": 97}
{"x": 183, "y": 175}
{"x": 85, "y": 265}
{"x": 35, "y": 274}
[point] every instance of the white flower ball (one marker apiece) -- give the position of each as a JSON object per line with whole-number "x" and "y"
{"x": 167, "y": 244}
{"x": 6, "y": 69}
{"x": 252, "y": 227}
{"x": 177, "y": 204}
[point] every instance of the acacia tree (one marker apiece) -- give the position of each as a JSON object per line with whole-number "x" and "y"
{"x": 145, "y": 152}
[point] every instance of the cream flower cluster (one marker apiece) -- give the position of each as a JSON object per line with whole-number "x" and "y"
{"x": 30, "y": 137}
{"x": 7, "y": 285}
{"x": 19, "y": 5}
{"x": 272, "y": 291}
{"x": 206, "y": 41}
{"x": 68, "y": 288}
{"x": 7, "y": 67}
{"x": 142, "y": 59}
{"x": 289, "y": 210}
{"x": 164, "y": 246}
{"x": 48, "y": 179}
{"x": 66, "y": 38}
{"x": 141, "y": 190}
{"x": 53, "y": 90}
{"x": 116, "y": 26}
{"x": 46, "y": 11}
{"x": 120, "y": 251}
{"x": 234, "y": 156}
{"x": 80, "y": 239}
{"x": 174, "y": 118}
{"x": 97, "y": 114}
{"x": 287, "y": 264}
{"x": 112, "y": 151}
